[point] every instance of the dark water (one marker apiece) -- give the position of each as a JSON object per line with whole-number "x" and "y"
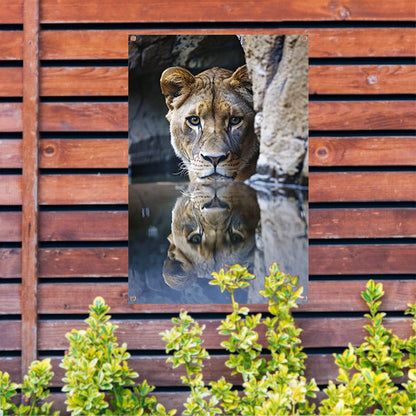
{"x": 180, "y": 232}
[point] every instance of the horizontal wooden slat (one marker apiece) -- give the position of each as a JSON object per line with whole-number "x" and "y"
{"x": 362, "y": 259}
{"x": 108, "y": 81}
{"x": 11, "y": 82}
{"x": 99, "y": 11}
{"x": 113, "y": 262}
{"x": 11, "y": 44}
{"x": 10, "y": 299}
{"x": 83, "y": 153}
{"x": 113, "y": 225}
{"x": 362, "y": 186}
{"x": 324, "y": 296}
{"x": 10, "y": 154}
{"x": 362, "y": 223}
{"x": 113, "y": 189}
{"x": 11, "y": 117}
{"x": 362, "y": 151}
{"x": 323, "y": 115}
{"x": 362, "y": 115}
{"x": 111, "y": 44}
{"x": 72, "y": 81}
{"x": 362, "y": 79}
{"x": 159, "y": 373}
{"x": 144, "y": 334}
{"x": 112, "y": 153}
{"x": 11, "y": 11}
{"x": 11, "y": 342}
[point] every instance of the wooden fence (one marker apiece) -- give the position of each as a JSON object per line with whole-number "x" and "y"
{"x": 63, "y": 166}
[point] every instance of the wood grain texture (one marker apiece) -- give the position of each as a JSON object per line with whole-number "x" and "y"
{"x": 340, "y": 259}
{"x": 83, "y": 153}
{"x": 85, "y": 81}
{"x": 144, "y": 334}
{"x": 30, "y": 181}
{"x": 10, "y": 154}
{"x": 324, "y": 296}
{"x": 11, "y": 190}
{"x": 14, "y": 335}
{"x": 362, "y": 151}
{"x": 362, "y": 79}
{"x": 11, "y": 82}
{"x": 98, "y": 11}
{"x": 11, "y": 45}
{"x": 362, "y": 259}
{"x": 323, "y": 115}
{"x": 362, "y": 223}
{"x": 362, "y": 186}
{"x": 11, "y": 117}
{"x": 11, "y": 11}
{"x": 10, "y": 300}
{"x": 113, "y": 225}
{"x": 362, "y": 115}
{"x": 323, "y": 43}
{"x": 323, "y": 79}
{"x": 112, "y": 153}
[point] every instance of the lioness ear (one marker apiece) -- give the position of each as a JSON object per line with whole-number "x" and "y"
{"x": 240, "y": 78}
{"x": 174, "y": 82}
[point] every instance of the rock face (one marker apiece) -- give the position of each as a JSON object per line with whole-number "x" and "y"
{"x": 278, "y": 66}
{"x": 149, "y": 56}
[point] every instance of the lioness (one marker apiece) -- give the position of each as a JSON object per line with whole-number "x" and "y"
{"x": 213, "y": 224}
{"x": 212, "y": 122}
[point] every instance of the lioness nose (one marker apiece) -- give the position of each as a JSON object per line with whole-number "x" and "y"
{"x": 215, "y": 160}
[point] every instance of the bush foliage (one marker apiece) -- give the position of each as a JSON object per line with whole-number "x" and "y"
{"x": 98, "y": 380}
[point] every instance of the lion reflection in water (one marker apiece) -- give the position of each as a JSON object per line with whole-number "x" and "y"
{"x": 213, "y": 225}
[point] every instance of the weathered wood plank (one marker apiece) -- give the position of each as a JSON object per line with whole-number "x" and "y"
{"x": 362, "y": 259}
{"x": 323, "y": 115}
{"x": 362, "y": 223}
{"x": 324, "y": 296}
{"x": 11, "y": 45}
{"x": 362, "y": 79}
{"x": 11, "y": 82}
{"x": 85, "y": 81}
{"x": 362, "y": 115}
{"x": 113, "y": 225}
{"x": 30, "y": 181}
{"x": 83, "y": 189}
{"x": 158, "y": 372}
{"x": 11, "y": 342}
{"x": 11, "y": 190}
{"x": 113, "y": 189}
{"x": 10, "y": 154}
{"x": 323, "y": 79}
{"x": 84, "y": 153}
{"x": 11, "y": 117}
{"x": 112, "y": 44}
{"x": 10, "y": 299}
{"x": 362, "y": 151}
{"x": 243, "y": 11}
{"x": 112, "y": 153}
{"x": 10, "y": 226}
{"x": 362, "y": 186}
{"x": 11, "y": 11}
{"x": 113, "y": 262}
{"x": 144, "y": 334}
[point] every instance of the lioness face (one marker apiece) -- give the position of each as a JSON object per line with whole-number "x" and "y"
{"x": 212, "y": 122}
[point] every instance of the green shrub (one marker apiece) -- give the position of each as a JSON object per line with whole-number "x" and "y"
{"x": 98, "y": 380}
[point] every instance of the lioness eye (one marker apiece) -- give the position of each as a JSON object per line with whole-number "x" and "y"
{"x": 194, "y": 120}
{"x": 195, "y": 238}
{"x": 236, "y": 238}
{"x": 235, "y": 120}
